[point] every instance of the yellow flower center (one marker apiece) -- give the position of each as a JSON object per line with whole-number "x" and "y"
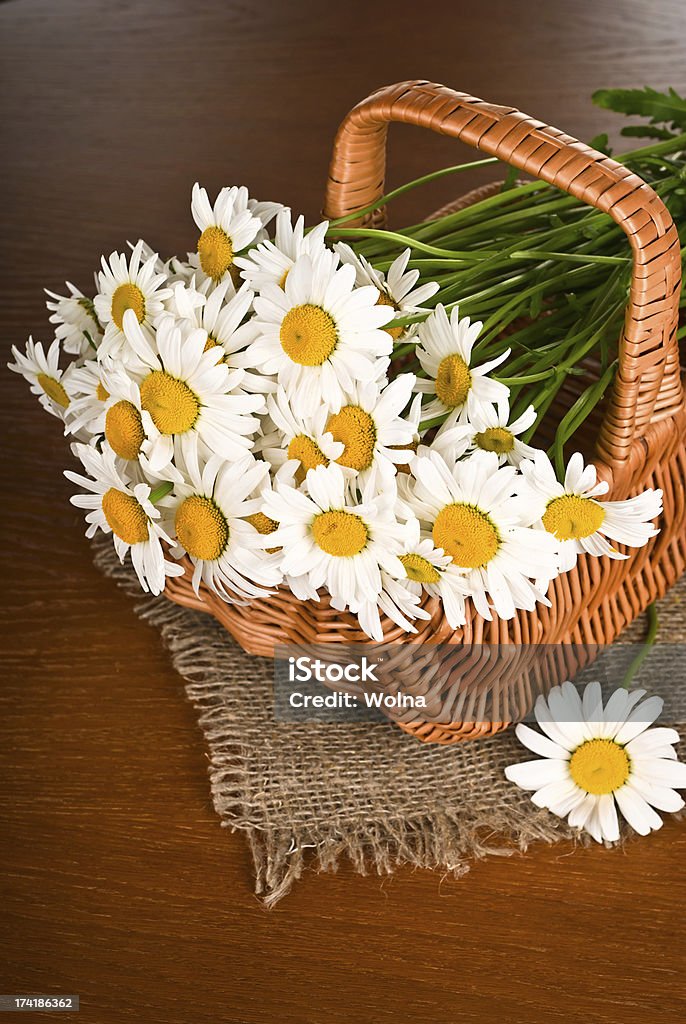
{"x": 125, "y": 516}
{"x": 128, "y": 296}
{"x": 171, "y": 403}
{"x": 308, "y": 335}
{"x": 342, "y": 534}
{"x": 284, "y": 278}
{"x": 308, "y": 453}
{"x": 466, "y": 534}
{"x": 201, "y": 528}
{"x": 496, "y": 439}
{"x": 356, "y": 429}
{"x": 453, "y": 381}
{"x": 101, "y": 393}
{"x": 210, "y": 343}
{"x": 599, "y": 766}
{"x": 264, "y": 525}
{"x": 215, "y": 251}
{"x": 571, "y": 517}
{"x": 124, "y": 429}
{"x": 420, "y": 569}
{"x": 53, "y": 389}
{"x": 386, "y": 300}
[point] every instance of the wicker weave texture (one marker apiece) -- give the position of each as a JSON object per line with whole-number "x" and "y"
{"x": 640, "y": 443}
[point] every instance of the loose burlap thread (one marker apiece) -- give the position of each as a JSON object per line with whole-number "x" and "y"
{"x": 318, "y": 794}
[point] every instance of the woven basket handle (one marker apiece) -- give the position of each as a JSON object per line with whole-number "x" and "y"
{"x": 647, "y": 386}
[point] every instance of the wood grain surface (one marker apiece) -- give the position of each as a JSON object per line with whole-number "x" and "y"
{"x": 117, "y": 882}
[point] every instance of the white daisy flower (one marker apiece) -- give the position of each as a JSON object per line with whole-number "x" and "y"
{"x": 490, "y": 431}
{"x": 398, "y": 603}
{"x": 87, "y": 409}
{"x": 271, "y": 262}
{"x": 174, "y": 269}
{"x": 320, "y": 334}
{"x": 304, "y": 441}
{"x": 429, "y": 569}
{"x": 134, "y": 284}
{"x": 187, "y": 393}
{"x": 41, "y": 370}
{"x": 224, "y": 314}
{"x": 335, "y": 540}
{"x": 226, "y": 228}
{"x": 77, "y": 327}
{"x": 595, "y": 760}
{"x": 396, "y": 287}
{"x": 264, "y": 210}
{"x": 474, "y": 516}
{"x": 578, "y": 521}
{"x": 444, "y": 351}
{"x": 370, "y": 426}
{"x": 213, "y": 522}
{"x": 125, "y": 509}
{"x": 186, "y": 301}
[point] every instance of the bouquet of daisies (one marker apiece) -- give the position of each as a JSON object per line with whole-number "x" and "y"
{"x": 275, "y": 410}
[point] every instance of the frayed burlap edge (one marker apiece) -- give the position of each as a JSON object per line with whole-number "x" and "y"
{"x": 371, "y": 836}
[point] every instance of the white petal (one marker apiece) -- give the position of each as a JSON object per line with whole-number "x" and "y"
{"x": 534, "y": 774}
{"x": 640, "y": 816}
{"x": 540, "y": 744}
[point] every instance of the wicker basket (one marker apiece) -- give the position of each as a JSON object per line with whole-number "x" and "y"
{"x": 639, "y": 443}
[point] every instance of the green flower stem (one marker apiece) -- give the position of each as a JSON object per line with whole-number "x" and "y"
{"x": 651, "y": 637}
{"x": 578, "y": 413}
{"x": 161, "y": 491}
{"x": 407, "y": 241}
{"x": 537, "y": 254}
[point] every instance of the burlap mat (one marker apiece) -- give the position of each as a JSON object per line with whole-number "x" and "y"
{"x": 311, "y": 794}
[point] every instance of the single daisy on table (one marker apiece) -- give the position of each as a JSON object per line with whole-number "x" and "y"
{"x": 303, "y": 441}
{"x": 188, "y": 393}
{"x": 41, "y": 370}
{"x": 77, "y": 327}
{"x": 336, "y": 536}
{"x": 578, "y": 520}
{"x": 396, "y": 287}
{"x": 320, "y": 334}
{"x": 490, "y": 430}
{"x": 371, "y": 428}
{"x": 594, "y": 760}
{"x": 212, "y": 512}
{"x": 226, "y": 228}
{"x": 122, "y": 507}
{"x": 132, "y": 284}
{"x": 271, "y": 262}
{"x": 444, "y": 349}
{"x": 431, "y": 570}
{"x": 473, "y": 514}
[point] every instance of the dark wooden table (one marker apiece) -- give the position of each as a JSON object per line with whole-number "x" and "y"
{"x": 117, "y": 882}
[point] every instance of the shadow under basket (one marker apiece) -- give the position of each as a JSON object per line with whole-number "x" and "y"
{"x": 639, "y": 442}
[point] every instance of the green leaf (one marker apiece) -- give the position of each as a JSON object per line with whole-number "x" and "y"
{"x": 660, "y": 107}
{"x": 600, "y": 142}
